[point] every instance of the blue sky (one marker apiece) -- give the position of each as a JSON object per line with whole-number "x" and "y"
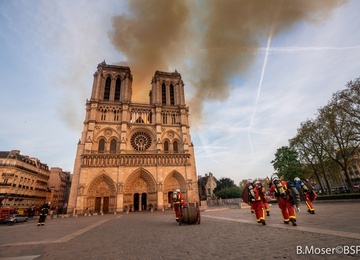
{"x": 49, "y": 51}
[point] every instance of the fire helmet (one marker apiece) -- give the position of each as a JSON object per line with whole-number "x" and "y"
{"x": 274, "y": 177}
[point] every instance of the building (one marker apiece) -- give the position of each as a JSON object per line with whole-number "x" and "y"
{"x": 133, "y": 155}
{"x": 59, "y": 183}
{"x": 23, "y": 181}
{"x": 207, "y": 185}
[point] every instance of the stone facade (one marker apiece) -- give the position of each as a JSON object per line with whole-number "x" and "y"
{"x": 207, "y": 185}
{"x": 23, "y": 181}
{"x": 133, "y": 155}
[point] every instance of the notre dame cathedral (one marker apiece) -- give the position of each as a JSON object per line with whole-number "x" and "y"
{"x": 133, "y": 155}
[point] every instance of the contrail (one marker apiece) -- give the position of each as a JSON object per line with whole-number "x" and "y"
{"x": 299, "y": 49}
{"x": 259, "y": 87}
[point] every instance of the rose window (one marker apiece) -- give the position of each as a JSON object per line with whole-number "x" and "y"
{"x": 140, "y": 141}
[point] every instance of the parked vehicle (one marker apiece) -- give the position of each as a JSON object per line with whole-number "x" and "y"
{"x": 15, "y": 218}
{"x": 341, "y": 190}
{"x": 4, "y": 212}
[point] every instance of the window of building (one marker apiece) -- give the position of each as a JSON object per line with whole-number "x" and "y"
{"x": 163, "y": 93}
{"x": 172, "y": 97}
{"x": 140, "y": 141}
{"x": 150, "y": 117}
{"x": 103, "y": 115}
{"x": 117, "y": 89}
{"x": 176, "y": 147}
{"x": 101, "y": 146}
{"x": 107, "y": 88}
{"x": 164, "y": 117}
{"x": 166, "y": 146}
{"x": 116, "y": 115}
{"x": 113, "y": 146}
{"x": 173, "y": 118}
{"x": 139, "y": 120}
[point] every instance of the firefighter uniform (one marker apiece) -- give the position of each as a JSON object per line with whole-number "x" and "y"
{"x": 43, "y": 213}
{"x": 282, "y": 193}
{"x": 264, "y": 198}
{"x": 178, "y": 203}
{"x": 307, "y": 192}
{"x": 252, "y": 195}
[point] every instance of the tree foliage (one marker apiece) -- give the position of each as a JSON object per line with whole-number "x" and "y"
{"x": 328, "y": 144}
{"x": 229, "y": 192}
{"x": 224, "y": 183}
{"x": 226, "y": 189}
{"x": 287, "y": 164}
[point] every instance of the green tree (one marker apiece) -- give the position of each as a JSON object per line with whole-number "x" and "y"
{"x": 329, "y": 144}
{"x": 310, "y": 147}
{"x": 340, "y": 137}
{"x": 224, "y": 183}
{"x": 287, "y": 164}
{"x": 229, "y": 192}
{"x": 226, "y": 189}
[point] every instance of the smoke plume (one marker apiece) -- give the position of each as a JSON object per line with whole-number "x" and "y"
{"x": 209, "y": 40}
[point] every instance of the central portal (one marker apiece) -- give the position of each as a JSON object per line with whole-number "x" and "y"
{"x": 140, "y": 201}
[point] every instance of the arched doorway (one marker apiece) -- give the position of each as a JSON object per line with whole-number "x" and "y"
{"x": 144, "y": 201}
{"x": 173, "y": 181}
{"x": 140, "y": 190}
{"x": 140, "y": 201}
{"x": 101, "y": 195}
{"x": 170, "y": 199}
{"x": 136, "y": 201}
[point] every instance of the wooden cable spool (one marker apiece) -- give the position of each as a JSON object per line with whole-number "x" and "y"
{"x": 190, "y": 215}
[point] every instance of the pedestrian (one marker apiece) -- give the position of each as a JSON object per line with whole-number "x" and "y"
{"x": 43, "y": 213}
{"x": 307, "y": 193}
{"x": 252, "y": 194}
{"x": 178, "y": 203}
{"x": 285, "y": 202}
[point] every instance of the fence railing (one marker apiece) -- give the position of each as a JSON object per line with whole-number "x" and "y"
{"x": 224, "y": 202}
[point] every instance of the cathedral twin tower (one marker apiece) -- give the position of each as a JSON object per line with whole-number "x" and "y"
{"x": 133, "y": 155}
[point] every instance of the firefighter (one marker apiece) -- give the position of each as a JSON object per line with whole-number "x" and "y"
{"x": 282, "y": 192}
{"x": 252, "y": 195}
{"x": 264, "y": 198}
{"x": 43, "y": 213}
{"x": 179, "y": 203}
{"x": 307, "y": 193}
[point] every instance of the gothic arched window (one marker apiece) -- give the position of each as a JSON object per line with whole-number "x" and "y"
{"x": 172, "y": 97}
{"x": 166, "y": 146}
{"x": 113, "y": 146}
{"x": 163, "y": 93}
{"x": 107, "y": 88}
{"x": 117, "y": 89}
{"x": 176, "y": 147}
{"x": 101, "y": 146}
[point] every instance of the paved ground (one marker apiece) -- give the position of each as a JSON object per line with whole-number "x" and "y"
{"x": 223, "y": 234}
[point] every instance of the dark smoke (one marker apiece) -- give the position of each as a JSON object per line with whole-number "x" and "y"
{"x": 213, "y": 39}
